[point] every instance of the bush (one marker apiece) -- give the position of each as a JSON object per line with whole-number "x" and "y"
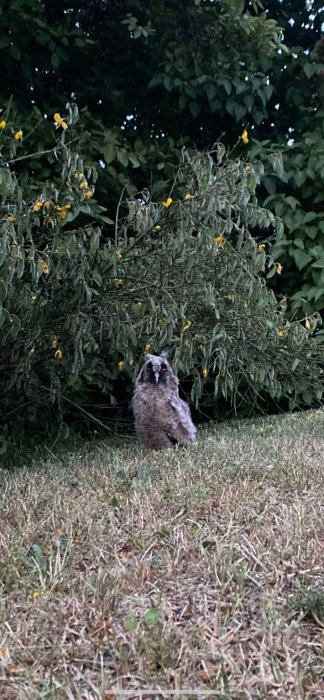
{"x": 182, "y": 275}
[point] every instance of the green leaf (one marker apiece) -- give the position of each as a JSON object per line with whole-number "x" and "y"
{"x": 299, "y": 177}
{"x": 194, "y": 108}
{"x": 310, "y": 69}
{"x": 310, "y": 216}
{"x": 270, "y": 184}
{"x": 227, "y": 85}
{"x": 155, "y": 81}
{"x": 134, "y": 160}
{"x": 239, "y": 111}
{"x": 133, "y": 337}
{"x": 261, "y": 375}
{"x": 230, "y": 106}
{"x": 272, "y": 272}
{"x": 20, "y": 268}
{"x": 301, "y": 258}
{"x": 15, "y": 52}
{"x": 249, "y": 102}
{"x": 55, "y": 61}
{"x": 3, "y": 316}
{"x": 110, "y": 152}
{"x": 15, "y": 326}
{"x": 211, "y": 90}
{"x": 258, "y": 116}
{"x": 97, "y": 277}
{"x": 122, "y": 157}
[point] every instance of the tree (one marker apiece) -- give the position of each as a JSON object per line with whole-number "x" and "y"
{"x": 295, "y": 127}
{"x": 149, "y": 77}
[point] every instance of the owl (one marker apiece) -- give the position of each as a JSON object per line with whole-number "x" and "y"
{"x": 162, "y": 419}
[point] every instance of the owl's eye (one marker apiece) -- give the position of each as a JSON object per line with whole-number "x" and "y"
{"x": 163, "y": 368}
{"x": 149, "y": 365}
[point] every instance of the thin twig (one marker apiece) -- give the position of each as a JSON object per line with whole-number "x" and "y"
{"x": 37, "y": 153}
{"x": 117, "y": 213}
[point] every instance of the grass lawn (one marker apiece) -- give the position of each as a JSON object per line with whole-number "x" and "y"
{"x": 197, "y": 570}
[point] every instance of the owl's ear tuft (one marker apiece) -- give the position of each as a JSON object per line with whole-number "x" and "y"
{"x": 148, "y": 357}
{"x": 164, "y": 354}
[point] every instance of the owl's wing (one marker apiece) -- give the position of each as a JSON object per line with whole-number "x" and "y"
{"x": 180, "y": 428}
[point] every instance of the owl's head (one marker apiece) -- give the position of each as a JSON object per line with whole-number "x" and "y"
{"x": 156, "y": 370}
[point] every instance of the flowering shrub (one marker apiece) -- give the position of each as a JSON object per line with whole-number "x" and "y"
{"x": 182, "y": 275}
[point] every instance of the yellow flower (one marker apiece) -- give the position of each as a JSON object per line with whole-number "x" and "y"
{"x": 83, "y": 185}
{"x": 67, "y": 206}
{"x": 157, "y": 228}
{"x": 261, "y": 247}
{"x": 245, "y": 137}
{"x": 3, "y": 124}
{"x": 120, "y": 366}
{"x": 168, "y": 202}
{"x": 88, "y": 194}
{"x": 48, "y": 203}
{"x": 58, "y": 355}
{"x": 31, "y": 351}
{"x": 18, "y": 135}
{"x": 187, "y": 326}
{"x": 188, "y": 197}
{"x": 34, "y": 297}
{"x": 147, "y": 347}
{"x": 38, "y": 205}
{"x": 35, "y": 594}
{"x": 219, "y": 240}
{"x": 61, "y": 212}
{"x": 59, "y": 121}
{"x": 54, "y": 343}
{"x": 308, "y": 324}
{"x": 45, "y": 268}
{"x": 11, "y": 218}
{"x": 205, "y": 373}
{"x": 118, "y": 282}
{"x": 230, "y": 297}
{"x": 279, "y": 269}
{"x": 282, "y": 333}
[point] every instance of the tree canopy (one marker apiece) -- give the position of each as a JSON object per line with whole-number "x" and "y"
{"x": 150, "y": 77}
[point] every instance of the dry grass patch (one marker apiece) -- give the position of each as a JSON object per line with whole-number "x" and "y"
{"x": 198, "y": 569}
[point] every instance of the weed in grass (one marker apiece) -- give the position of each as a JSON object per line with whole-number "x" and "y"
{"x": 309, "y": 602}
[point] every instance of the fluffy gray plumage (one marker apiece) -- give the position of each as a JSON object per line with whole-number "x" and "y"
{"x": 162, "y": 419}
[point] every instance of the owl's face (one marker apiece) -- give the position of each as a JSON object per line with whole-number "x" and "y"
{"x": 156, "y": 370}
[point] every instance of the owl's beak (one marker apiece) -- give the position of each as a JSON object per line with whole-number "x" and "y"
{"x": 157, "y": 377}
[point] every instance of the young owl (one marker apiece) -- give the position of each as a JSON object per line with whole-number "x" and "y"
{"x": 162, "y": 419}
